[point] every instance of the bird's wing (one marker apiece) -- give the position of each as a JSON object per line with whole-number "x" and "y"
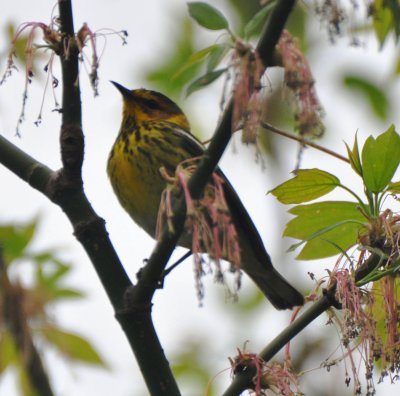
{"x": 240, "y": 216}
{"x": 243, "y": 222}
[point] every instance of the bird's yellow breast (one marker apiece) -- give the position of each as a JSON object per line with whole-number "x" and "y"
{"x": 135, "y": 177}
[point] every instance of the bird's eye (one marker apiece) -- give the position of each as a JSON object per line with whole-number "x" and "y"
{"x": 152, "y": 104}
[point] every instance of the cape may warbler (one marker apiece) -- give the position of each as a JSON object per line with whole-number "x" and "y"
{"x": 155, "y": 133}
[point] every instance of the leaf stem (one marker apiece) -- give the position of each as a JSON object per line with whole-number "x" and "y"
{"x": 381, "y": 197}
{"x": 370, "y": 201}
{"x": 365, "y": 207}
{"x": 376, "y": 204}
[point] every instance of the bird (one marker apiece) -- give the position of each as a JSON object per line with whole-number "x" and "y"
{"x": 155, "y": 133}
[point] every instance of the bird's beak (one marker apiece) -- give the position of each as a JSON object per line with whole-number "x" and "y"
{"x": 124, "y": 91}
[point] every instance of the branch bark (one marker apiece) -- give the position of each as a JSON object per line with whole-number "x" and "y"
{"x": 88, "y": 227}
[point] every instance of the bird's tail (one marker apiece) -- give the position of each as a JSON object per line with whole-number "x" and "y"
{"x": 255, "y": 260}
{"x": 257, "y": 264}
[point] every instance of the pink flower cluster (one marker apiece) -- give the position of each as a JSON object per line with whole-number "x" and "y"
{"x": 208, "y": 222}
{"x": 299, "y": 81}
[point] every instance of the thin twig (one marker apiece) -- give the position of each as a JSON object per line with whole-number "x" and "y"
{"x": 174, "y": 265}
{"x": 245, "y": 379}
{"x": 301, "y": 140}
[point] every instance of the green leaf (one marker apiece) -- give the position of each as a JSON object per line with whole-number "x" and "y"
{"x": 254, "y": 26}
{"x": 386, "y": 18}
{"x": 376, "y": 96}
{"x": 8, "y": 354}
{"x": 15, "y": 239}
{"x": 380, "y": 159}
{"x": 55, "y": 271}
{"x": 308, "y": 184}
{"x": 354, "y": 157}
{"x": 64, "y": 293}
{"x": 341, "y": 218}
{"x": 207, "y": 16}
{"x": 322, "y": 232}
{"x": 394, "y": 187}
{"x": 72, "y": 346}
{"x": 204, "y": 80}
{"x": 216, "y": 55}
{"x": 25, "y": 386}
{"x": 181, "y": 47}
{"x": 382, "y": 21}
{"x": 397, "y": 67}
{"x": 194, "y": 59}
{"x": 379, "y": 315}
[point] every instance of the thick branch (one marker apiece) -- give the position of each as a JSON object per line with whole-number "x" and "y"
{"x": 273, "y": 30}
{"x": 27, "y": 168}
{"x": 65, "y": 188}
{"x": 138, "y": 325}
{"x": 88, "y": 227}
{"x": 71, "y": 106}
{"x": 71, "y": 136}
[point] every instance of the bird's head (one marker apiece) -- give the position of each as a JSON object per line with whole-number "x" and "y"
{"x": 147, "y": 105}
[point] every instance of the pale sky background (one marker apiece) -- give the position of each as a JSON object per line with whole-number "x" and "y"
{"x": 177, "y": 316}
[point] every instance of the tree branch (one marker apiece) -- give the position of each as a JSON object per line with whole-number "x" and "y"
{"x": 71, "y": 136}
{"x": 90, "y": 231}
{"x": 245, "y": 379}
{"x": 273, "y": 29}
{"x": 88, "y": 227}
